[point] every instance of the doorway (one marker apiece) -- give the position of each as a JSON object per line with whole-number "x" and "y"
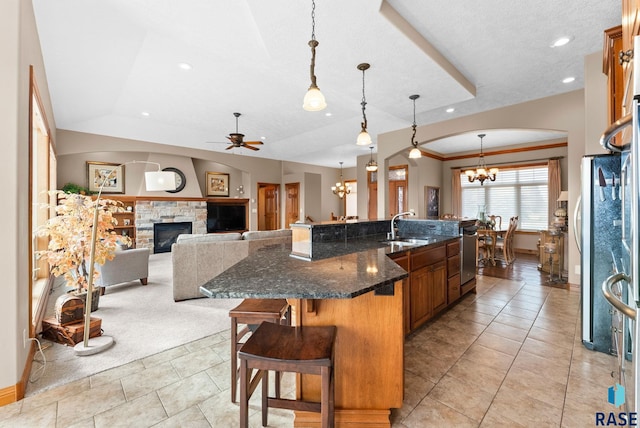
{"x": 292, "y": 203}
{"x": 398, "y": 178}
{"x": 268, "y": 203}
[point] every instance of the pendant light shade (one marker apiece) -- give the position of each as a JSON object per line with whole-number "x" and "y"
{"x": 364, "y": 139}
{"x": 372, "y": 165}
{"x": 415, "y": 152}
{"x": 313, "y": 99}
{"x": 481, "y": 173}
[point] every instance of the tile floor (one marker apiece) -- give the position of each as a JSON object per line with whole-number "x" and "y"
{"x": 508, "y": 356}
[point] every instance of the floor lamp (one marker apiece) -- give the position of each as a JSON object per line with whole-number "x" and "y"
{"x": 155, "y": 181}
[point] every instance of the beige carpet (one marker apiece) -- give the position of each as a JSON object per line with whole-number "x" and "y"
{"x": 143, "y": 320}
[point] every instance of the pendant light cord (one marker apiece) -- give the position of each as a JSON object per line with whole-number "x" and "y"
{"x": 313, "y": 43}
{"x": 414, "y": 143}
{"x": 363, "y": 104}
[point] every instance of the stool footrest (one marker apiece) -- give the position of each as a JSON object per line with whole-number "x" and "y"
{"x": 284, "y": 403}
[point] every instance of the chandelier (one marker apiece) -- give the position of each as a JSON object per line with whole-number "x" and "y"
{"x": 481, "y": 173}
{"x": 415, "y": 152}
{"x": 372, "y": 165}
{"x": 364, "y": 139}
{"x": 340, "y": 188}
{"x": 313, "y": 99}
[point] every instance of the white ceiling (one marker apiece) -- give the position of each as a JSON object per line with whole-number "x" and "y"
{"x": 109, "y": 61}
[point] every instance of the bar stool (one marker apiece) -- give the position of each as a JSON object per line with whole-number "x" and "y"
{"x": 281, "y": 348}
{"x": 252, "y": 312}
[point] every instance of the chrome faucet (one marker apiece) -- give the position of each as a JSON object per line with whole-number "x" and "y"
{"x": 392, "y": 235}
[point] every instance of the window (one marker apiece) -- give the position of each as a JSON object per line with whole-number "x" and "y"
{"x": 521, "y": 192}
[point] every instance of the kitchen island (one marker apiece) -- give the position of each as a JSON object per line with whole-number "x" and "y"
{"x": 360, "y": 291}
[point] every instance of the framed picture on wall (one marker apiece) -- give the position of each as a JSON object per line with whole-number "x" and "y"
{"x": 217, "y": 184}
{"x": 111, "y": 174}
{"x": 432, "y": 201}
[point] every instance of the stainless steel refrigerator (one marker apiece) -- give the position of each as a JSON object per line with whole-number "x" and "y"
{"x": 601, "y": 247}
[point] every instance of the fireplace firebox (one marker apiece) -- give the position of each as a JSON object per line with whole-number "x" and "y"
{"x": 165, "y": 234}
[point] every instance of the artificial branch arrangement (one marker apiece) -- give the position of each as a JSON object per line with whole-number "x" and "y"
{"x": 70, "y": 231}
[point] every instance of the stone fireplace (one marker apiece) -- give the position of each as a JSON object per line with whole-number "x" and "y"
{"x": 165, "y": 234}
{"x": 150, "y": 213}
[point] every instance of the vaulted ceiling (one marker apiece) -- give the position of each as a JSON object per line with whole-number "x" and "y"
{"x": 113, "y": 67}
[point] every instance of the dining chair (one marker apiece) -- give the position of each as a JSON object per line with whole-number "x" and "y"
{"x": 504, "y": 246}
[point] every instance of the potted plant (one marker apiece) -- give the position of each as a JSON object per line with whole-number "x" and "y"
{"x": 70, "y": 231}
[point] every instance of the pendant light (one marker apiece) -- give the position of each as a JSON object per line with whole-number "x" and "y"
{"x": 481, "y": 173}
{"x": 313, "y": 99}
{"x": 363, "y": 137}
{"x": 341, "y": 188}
{"x": 372, "y": 165}
{"x": 415, "y": 152}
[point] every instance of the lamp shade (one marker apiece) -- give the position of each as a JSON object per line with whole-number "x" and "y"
{"x": 160, "y": 180}
{"x": 314, "y": 100}
{"x": 564, "y": 196}
{"x": 363, "y": 139}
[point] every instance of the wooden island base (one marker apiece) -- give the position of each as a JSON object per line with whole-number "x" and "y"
{"x": 369, "y": 357}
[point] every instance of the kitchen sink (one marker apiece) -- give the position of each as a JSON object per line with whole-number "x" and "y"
{"x": 410, "y": 242}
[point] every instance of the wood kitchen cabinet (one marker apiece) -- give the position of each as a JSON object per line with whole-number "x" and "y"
{"x": 453, "y": 272}
{"x": 428, "y": 283}
{"x": 433, "y": 283}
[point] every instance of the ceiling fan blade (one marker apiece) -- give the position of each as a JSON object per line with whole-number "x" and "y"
{"x": 230, "y": 147}
{"x": 253, "y": 142}
{"x": 251, "y": 148}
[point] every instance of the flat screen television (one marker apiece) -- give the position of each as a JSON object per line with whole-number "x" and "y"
{"x": 226, "y": 217}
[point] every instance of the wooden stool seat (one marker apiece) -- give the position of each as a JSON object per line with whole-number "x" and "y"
{"x": 252, "y": 312}
{"x": 281, "y": 348}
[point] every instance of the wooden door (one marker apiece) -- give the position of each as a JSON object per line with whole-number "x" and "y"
{"x": 372, "y": 191}
{"x": 398, "y": 179}
{"x": 292, "y": 204}
{"x": 268, "y": 203}
{"x": 397, "y": 197}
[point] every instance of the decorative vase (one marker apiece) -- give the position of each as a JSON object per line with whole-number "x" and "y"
{"x": 482, "y": 213}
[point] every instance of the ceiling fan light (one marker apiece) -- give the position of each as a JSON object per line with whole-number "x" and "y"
{"x": 314, "y": 100}
{"x": 364, "y": 139}
{"x": 415, "y": 153}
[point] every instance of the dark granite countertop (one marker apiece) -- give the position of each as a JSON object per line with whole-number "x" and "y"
{"x": 349, "y": 269}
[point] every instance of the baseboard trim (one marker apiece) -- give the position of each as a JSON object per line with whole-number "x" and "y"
{"x": 14, "y": 393}
{"x": 369, "y": 418}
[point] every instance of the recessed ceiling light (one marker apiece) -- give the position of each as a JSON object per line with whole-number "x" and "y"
{"x": 263, "y": 138}
{"x": 145, "y": 113}
{"x": 568, "y": 79}
{"x": 185, "y": 66}
{"x": 450, "y": 110}
{"x": 328, "y": 114}
{"x": 561, "y": 42}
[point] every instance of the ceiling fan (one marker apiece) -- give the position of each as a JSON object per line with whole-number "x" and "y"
{"x": 237, "y": 139}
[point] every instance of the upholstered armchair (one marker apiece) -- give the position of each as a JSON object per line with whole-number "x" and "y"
{"x": 126, "y": 266}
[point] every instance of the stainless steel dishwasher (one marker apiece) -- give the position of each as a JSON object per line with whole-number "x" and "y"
{"x": 468, "y": 244}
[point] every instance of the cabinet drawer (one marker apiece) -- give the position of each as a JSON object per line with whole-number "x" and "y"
{"x": 453, "y": 248}
{"x": 453, "y": 289}
{"x": 453, "y": 265}
{"x": 427, "y": 256}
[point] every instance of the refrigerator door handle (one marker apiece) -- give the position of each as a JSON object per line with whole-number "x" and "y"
{"x": 627, "y": 310}
{"x": 612, "y": 130}
{"x": 577, "y": 233}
